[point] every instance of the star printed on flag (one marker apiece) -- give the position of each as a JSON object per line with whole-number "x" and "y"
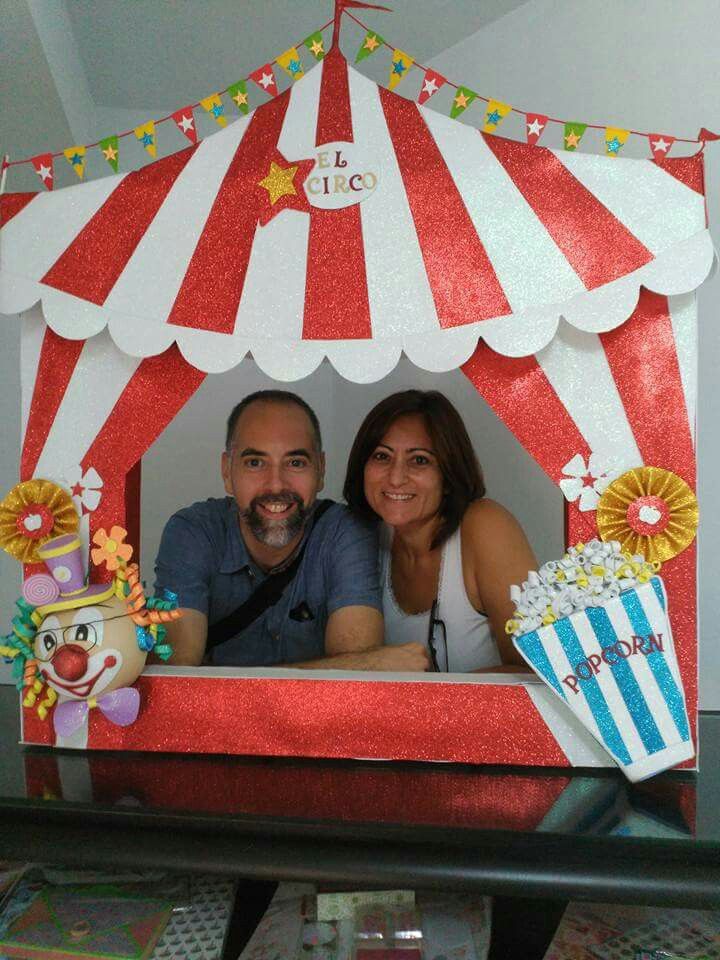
{"x": 45, "y": 173}
{"x": 215, "y": 107}
{"x": 238, "y": 94}
{"x": 264, "y": 77}
{"x": 76, "y": 159}
{"x": 371, "y": 43}
{"x": 109, "y": 147}
{"x": 291, "y": 64}
{"x": 266, "y": 80}
{"x": 572, "y": 140}
{"x": 493, "y": 118}
{"x": 282, "y": 187}
{"x": 399, "y": 67}
{"x": 147, "y": 139}
{"x": 613, "y": 145}
{"x": 43, "y": 166}
{"x": 75, "y": 156}
{"x": 430, "y": 85}
{"x": 110, "y": 153}
{"x": 535, "y": 128}
{"x": 573, "y": 134}
{"x": 240, "y": 98}
{"x": 145, "y": 133}
{"x": 660, "y": 145}
{"x": 185, "y": 122}
{"x": 461, "y": 101}
{"x": 314, "y": 43}
{"x": 316, "y": 48}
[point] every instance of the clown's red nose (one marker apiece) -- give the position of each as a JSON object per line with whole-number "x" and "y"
{"x": 70, "y": 662}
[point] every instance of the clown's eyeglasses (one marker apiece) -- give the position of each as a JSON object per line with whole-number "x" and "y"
{"x": 48, "y": 641}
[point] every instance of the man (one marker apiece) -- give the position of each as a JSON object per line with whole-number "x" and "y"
{"x": 216, "y": 554}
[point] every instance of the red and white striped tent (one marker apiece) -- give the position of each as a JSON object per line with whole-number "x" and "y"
{"x": 561, "y": 283}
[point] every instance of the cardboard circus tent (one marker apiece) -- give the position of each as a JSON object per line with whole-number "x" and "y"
{"x": 562, "y": 284}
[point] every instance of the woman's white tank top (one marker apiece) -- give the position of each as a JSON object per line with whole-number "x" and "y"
{"x": 470, "y": 643}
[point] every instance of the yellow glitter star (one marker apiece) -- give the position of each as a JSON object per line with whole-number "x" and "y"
{"x": 461, "y": 100}
{"x": 572, "y": 140}
{"x": 316, "y": 48}
{"x": 110, "y": 153}
{"x": 279, "y": 182}
{"x": 371, "y": 43}
{"x": 240, "y": 98}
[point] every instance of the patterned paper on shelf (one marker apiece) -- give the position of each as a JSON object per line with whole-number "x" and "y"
{"x": 594, "y": 931}
{"x": 198, "y": 933}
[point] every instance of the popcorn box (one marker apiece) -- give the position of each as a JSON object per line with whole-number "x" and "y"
{"x": 615, "y": 667}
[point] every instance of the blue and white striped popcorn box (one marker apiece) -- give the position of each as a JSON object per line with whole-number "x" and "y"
{"x": 615, "y": 667}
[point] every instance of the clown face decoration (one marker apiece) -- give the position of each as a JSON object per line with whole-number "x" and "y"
{"x": 90, "y": 651}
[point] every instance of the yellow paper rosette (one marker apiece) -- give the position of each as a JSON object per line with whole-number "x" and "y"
{"x": 33, "y": 512}
{"x": 650, "y": 511}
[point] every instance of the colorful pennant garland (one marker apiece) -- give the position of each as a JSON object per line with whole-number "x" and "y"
{"x": 401, "y": 63}
{"x": 494, "y": 115}
{"x": 461, "y": 101}
{"x": 660, "y": 145}
{"x": 110, "y": 149}
{"x": 216, "y": 108}
{"x": 431, "y": 84}
{"x": 315, "y": 45}
{"x": 265, "y": 79}
{"x": 573, "y": 135}
{"x": 76, "y": 158}
{"x": 614, "y": 139}
{"x": 372, "y": 42}
{"x": 291, "y": 63}
{"x": 146, "y": 135}
{"x": 43, "y": 165}
{"x": 239, "y": 95}
{"x": 535, "y": 123}
{"x": 185, "y": 121}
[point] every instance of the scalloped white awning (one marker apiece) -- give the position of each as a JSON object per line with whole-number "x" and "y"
{"x": 465, "y": 236}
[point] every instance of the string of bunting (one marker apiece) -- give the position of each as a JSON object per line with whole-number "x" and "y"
{"x": 496, "y": 110}
{"x": 291, "y": 63}
{"x": 184, "y": 119}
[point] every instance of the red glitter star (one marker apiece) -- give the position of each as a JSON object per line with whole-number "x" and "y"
{"x": 78, "y": 490}
{"x": 295, "y": 200}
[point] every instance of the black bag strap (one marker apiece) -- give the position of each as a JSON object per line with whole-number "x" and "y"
{"x": 266, "y": 595}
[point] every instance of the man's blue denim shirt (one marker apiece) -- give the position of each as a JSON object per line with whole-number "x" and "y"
{"x": 204, "y": 560}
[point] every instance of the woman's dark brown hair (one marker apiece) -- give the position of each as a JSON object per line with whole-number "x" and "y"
{"x": 462, "y": 476}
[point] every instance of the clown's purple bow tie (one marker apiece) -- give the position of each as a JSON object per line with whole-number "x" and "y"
{"x": 120, "y": 707}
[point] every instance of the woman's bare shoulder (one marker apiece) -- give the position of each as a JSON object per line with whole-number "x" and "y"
{"x": 488, "y": 516}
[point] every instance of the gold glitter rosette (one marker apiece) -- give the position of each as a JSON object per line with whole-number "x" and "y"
{"x": 33, "y": 512}
{"x": 651, "y": 511}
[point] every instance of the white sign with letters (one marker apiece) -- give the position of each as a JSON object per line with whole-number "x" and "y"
{"x": 340, "y": 177}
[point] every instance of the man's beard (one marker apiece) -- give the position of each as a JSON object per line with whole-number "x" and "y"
{"x": 280, "y": 532}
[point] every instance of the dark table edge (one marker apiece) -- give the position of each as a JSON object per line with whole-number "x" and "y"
{"x": 620, "y": 869}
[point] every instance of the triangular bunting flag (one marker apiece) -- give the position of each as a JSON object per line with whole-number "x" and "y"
{"x": 706, "y": 134}
{"x": 43, "y": 165}
{"x": 494, "y": 115}
{"x": 185, "y": 121}
{"x": 239, "y": 96}
{"x": 401, "y": 63}
{"x": 76, "y": 158}
{"x": 265, "y": 79}
{"x": 573, "y": 135}
{"x": 372, "y": 42}
{"x": 290, "y": 62}
{"x": 146, "y": 135}
{"x": 660, "y": 145}
{"x": 431, "y": 84}
{"x": 535, "y": 124}
{"x": 461, "y": 101}
{"x": 614, "y": 139}
{"x": 110, "y": 149}
{"x": 315, "y": 45}
{"x": 214, "y": 106}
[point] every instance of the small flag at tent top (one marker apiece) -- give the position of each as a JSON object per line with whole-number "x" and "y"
{"x": 494, "y": 115}
{"x": 535, "y": 124}
{"x": 372, "y": 42}
{"x": 614, "y": 139}
{"x": 461, "y": 101}
{"x": 660, "y": 144}
{"x": 146, "y": 135}
{"x": 43, "y": 164}
{"x": 573, "y": 135}
{"x": 239, "y": 95}
{"x": 315, "y": 45}
{"x": 431, "y": 84}
{"x": 110, "y": 149}
{"x": 216, "y": 108}
{"x": 76, "y": 158}
{"x": 185, "y": 121}
{"x": 265, "y": 79}
{"x": 291, "y": 63}
{"x": 400, "y": 65}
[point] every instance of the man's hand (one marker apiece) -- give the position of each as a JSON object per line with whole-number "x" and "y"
{"x": 401, "y": 657}
{"x": 188, "y": 637}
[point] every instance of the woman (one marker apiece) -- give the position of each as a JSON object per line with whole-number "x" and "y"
{"x": 448, "y": 554}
